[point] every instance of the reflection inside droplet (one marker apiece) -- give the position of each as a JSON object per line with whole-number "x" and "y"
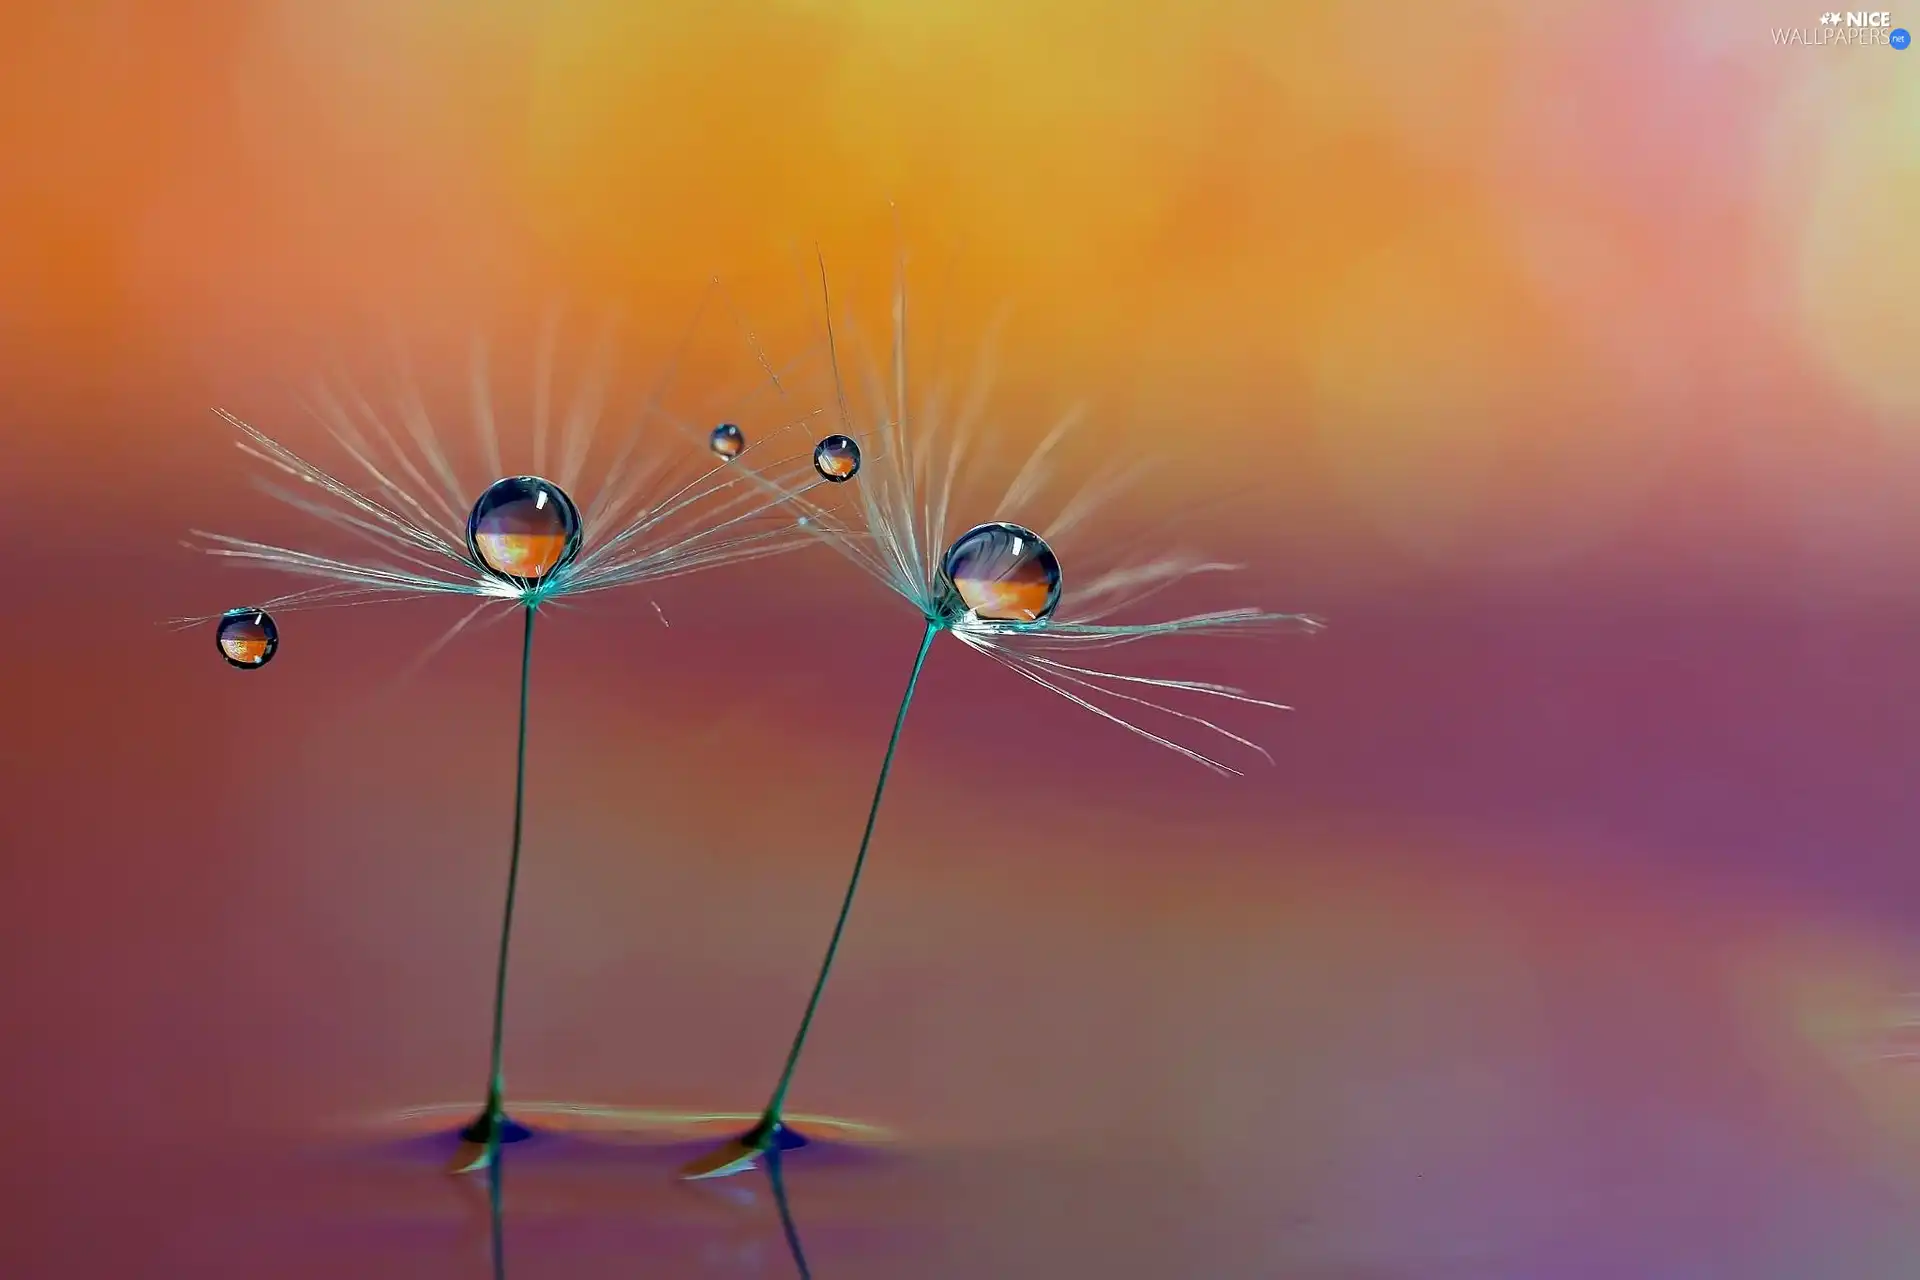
{"x": 523, "y": 529}
{"x": 247, "y": 638}
{"x": 727, "y": 440}
{"x": 1004, "y": 573}
{"x": 837, "y": 458}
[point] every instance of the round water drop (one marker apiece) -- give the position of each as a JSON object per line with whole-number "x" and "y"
{"x": 727, "y": 440}
{"x": 247, "y": 638}
{"x": 837, "y": 458}
{"x": 523, "y": 530}
{"x": 1004, "y": 573}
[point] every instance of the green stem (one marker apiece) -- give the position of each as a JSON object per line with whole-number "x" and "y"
{"x": 495, "y": 1114}
{"x": 776, "y": 1109}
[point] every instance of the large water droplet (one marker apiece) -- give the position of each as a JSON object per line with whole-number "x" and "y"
{"x": 837, "y": 458}
{"x": 727, "y": 440}
{"x": 524, "y": 529}
{"x": 1004, "y": 573}
{"x": 247, "y": 638}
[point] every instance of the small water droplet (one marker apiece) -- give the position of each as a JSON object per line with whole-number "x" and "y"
{"x": 727, "y": 440}
{"x": 837, "y": 458}
{"x": 247, "y": 638}
{"x": 523, "y": 529}
{"x": 1004, "y": 573}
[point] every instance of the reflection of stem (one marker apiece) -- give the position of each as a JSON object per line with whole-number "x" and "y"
{"x": 787, "y": 1226}
{"x": 763, "y": 1133}
{"x": 494, "y": 1117}
{"x": 496, "y": 1228}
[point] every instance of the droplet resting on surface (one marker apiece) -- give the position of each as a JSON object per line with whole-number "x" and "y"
{"x": 727, "y": 440}
{"x": 837, "y": 458}
{"x": 523, "y": 530}
{"x": 1004, "y": 573}
{"x": 247, "y": 638}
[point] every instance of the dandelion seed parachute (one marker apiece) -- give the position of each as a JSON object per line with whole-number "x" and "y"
{"x": 997, "y": 588}
{"x": 522, "y": 545}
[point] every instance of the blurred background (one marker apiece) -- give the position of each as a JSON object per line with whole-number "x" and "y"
{"x": 1558, "y": 356}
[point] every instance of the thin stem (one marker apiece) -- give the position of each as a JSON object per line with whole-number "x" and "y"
{"x": 787, "y": 1225}
{"x": 495, "y": 1115}
{"x": 496, "y": 1223}
{"x": 763, "y": 1133}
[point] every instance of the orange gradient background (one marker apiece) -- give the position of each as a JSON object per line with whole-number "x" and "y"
{"x": 1560, "y": 357}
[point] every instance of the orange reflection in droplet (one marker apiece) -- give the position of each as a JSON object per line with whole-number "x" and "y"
{"x": 249, "y": 647}
{"x": 1019, "y": 596}
{"x": 523, "y": 539}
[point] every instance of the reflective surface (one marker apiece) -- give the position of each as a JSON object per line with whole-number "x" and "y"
{"x": 247, "y": 637}
{"x": 523, "y": 528}
{"x": 1336, "y": 1064}
{"x": 1004, "y": 573}
{"x": 727, "y": 440}
{"x": 837, "y": 458}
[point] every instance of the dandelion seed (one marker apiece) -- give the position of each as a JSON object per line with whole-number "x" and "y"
{"x": 997, "y": 589}
{"x": 523, "y": 544}
{"x": 248, "y": 639}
